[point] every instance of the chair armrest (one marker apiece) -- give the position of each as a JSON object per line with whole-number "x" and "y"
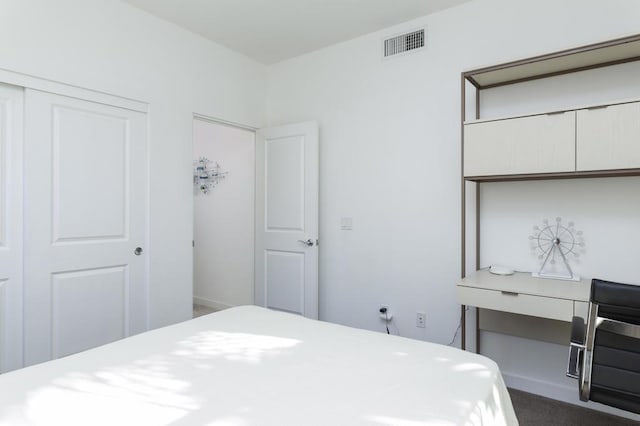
{"x": 576, "y": 348}
{"x": 577, "y": 330}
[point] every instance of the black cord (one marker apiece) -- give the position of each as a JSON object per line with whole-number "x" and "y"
{"x": 386, "y": 317}
{"x": 457, "y": 329}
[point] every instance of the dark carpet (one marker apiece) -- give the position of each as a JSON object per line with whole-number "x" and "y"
{"x": 537, "y": 410}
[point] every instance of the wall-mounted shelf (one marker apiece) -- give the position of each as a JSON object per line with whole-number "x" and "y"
{"x": 550, "y": 145}
{"x": 559, "y": 175}
{"x": 612, "y": 52}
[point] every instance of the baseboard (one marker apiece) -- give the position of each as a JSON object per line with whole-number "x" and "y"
{"x": 213, "y": 304}
{"x": 559, "y": 393}
{"x": 539, "y": 387}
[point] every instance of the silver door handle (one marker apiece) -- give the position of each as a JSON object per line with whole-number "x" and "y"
{"x": 308, "y": 243}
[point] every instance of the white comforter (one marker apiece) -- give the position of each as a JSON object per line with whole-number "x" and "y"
{"x": 252, "y": 366}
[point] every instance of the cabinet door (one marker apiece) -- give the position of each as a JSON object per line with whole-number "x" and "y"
{"x": 536, "y": 144}
{"x": 608, "y": 138}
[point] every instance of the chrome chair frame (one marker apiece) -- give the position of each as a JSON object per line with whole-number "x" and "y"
{"x": 580, "y": 361}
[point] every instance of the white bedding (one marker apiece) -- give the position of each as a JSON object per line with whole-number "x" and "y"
{"x": 251, "y": 366}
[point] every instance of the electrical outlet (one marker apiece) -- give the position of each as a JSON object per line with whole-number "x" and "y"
{"x": 421, "y": 319}
{"x": 385, "y": 315}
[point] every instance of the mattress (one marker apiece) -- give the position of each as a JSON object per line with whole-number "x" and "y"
{"x": 252, "y": 366}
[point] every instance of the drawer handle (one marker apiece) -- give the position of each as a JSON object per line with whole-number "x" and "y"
{"x": 509, "y": 293}
{"x": 556, "y": 112}
{"x": 598, "y": 107}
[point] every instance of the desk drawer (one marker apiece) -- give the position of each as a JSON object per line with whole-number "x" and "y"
{"x": 524, "y": 304}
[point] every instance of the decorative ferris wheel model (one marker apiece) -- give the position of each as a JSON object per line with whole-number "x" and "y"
{"x": 555, "y": 244}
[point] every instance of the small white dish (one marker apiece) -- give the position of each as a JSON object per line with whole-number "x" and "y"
{"x": 501, "y": 270}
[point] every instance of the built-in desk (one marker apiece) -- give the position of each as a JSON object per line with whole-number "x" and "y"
{"x": 525, "y": 295}
{"x": 586, "y": 141}
{"x": 521, "y": 293}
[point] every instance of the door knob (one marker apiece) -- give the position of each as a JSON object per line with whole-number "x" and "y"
{"x": 138, "y": 251}
{"x": 308, "y": 243}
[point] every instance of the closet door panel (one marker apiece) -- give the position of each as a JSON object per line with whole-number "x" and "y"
{"x": 89, "y": 175}
{"x": 86, "y": 214}
{"x": 11, "y": 123}
{"x": 608, "y": 138}
{"x": 535, "y": 144}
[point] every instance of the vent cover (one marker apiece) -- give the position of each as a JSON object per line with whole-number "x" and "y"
{"x": 404, "y": 43}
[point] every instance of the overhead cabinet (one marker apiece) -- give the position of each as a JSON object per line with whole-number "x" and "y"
{"x": 594, "y": 139}
{"x": 608, "y": 138}
{"x": 535, "y": 144}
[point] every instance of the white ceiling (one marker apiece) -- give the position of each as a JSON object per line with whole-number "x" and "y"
{"x": 270, "y": 31}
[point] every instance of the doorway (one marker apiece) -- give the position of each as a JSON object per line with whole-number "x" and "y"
{"x": 224, "y": 205}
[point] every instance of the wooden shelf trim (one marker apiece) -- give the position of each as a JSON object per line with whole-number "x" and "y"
{"x": 603, "y": 54}
{"x": 563, "y": 175}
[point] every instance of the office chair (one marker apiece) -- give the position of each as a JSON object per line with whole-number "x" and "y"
{"x": 605, "y": 356}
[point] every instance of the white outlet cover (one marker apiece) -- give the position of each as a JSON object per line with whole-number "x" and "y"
{"x": 346, "y": 223}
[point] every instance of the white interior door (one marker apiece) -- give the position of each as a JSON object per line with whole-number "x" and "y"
{"x": 286, "y": 260}
{"x": 85, "y": 215}
{"x": 11, "y": 124}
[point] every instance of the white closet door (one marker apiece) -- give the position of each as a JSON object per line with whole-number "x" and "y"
{"x": 11, "y": 107}
{"x": 85, "y": 215}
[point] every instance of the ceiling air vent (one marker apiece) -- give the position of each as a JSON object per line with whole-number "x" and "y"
{"x": 403, "y": 43}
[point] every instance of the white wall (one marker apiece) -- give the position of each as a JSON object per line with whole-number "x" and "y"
{"x": 224, "y": 218}
{"x": 112, "y": 47}
{"x": 389, "y": 158}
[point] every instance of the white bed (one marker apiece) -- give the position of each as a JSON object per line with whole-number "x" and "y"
{"x": 252, "y": 366}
